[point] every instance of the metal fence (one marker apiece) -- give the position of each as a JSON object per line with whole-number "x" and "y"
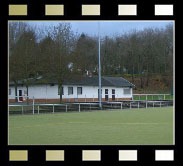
{"x": 15, "y": 109}
{"x": 152, "y": 97}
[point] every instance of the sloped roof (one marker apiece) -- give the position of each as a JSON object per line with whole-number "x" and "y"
{"x": 89, "y": 81}
{"x": 105, "y": 81}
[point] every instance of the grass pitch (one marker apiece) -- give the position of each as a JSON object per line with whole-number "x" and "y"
{"x": 152, "y": 126}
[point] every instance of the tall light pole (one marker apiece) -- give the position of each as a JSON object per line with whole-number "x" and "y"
{"x": 99, "y": 69}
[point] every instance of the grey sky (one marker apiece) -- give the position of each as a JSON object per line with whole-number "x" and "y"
{"x": 107, "y": 28}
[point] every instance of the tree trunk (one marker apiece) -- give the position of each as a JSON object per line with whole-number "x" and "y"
{"x": 147, "y": 80}
{"x": 141, "y": 85}
{"x": 60, "y": 90}
{"x": 141, "y": 82}
{"x": 16, "y": 98}
{"x": 133, "y": 75}
{"x": 27, "y": 87}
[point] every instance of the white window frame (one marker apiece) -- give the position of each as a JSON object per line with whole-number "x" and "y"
{"x": 81, "y": 90}
{"x": 72, "y": 90}
{"x": 9, "y": 91}
{"x": 62, "y": 90}
{"x": 127, "y": 93}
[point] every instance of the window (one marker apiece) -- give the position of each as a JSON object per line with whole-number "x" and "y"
{"x": 79, "y": 90}
{"x": 70, "y": 90}
{"x": 101, "y": 91}
{"x": 9, "y": 91}
{"x": 127, "y": 91}
{"x": 62, "y": 90}
{"x": 113, "y": 94}
{"x": 106, "y": 95}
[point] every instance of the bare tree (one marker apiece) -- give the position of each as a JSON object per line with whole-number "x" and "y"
{"x": 16, "y": 29}
{"x": 55, "y": 52}
{"x": 85, "y": 55}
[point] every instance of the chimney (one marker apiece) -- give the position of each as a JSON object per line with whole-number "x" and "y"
{"x": 90, "y": 74}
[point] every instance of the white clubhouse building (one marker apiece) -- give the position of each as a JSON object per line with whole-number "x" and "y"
{"x": 84, "y": 89}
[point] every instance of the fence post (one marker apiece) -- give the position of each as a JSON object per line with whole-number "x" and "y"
{"x": 146, "y": 104}
{"x": 22, "y": 110}
{"x": 33, "y": 106}
{"x": 66, "y": 108}
{"x": 153, "y": 104}
{"x": 146, "y": 97}
{"x": 79, "y": 107}
{"x": 130, "y": 105}
{"x": 160, "y": 103}
{"x": 53, "y": 109}
{"x": 90, "y": 106}
{"x": 38, "y": 109}
{"x": 138, "y": 104}
{"x": 164, "y": 96}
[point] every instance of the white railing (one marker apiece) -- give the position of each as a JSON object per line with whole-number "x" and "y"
{"x": 53, "y": 108}
{"x": 152, "y": 96}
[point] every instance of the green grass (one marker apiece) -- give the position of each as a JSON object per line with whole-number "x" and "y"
{"x": 152, "y": 126}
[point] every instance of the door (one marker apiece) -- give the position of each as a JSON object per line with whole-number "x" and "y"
{"x": 20, "y": 95}
{"x": 113, "y": 94}
{"x": 106, "y": 95}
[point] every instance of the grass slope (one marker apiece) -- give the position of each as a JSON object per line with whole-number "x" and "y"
{"x": 143, "y": 126}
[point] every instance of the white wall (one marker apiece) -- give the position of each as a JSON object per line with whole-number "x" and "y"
{"x": 119, "y": 92}
{"x": 38, "y": 91}
{"x": 51, "y": 92}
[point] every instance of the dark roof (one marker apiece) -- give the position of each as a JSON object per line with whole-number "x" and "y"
{"x": 105, "y": 81}
{"x": 90, "y": 81}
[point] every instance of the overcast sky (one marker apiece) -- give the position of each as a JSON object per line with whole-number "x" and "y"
{"x": 107, "y": 28}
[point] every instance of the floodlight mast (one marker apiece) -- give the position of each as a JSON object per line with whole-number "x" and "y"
{"x": 99, "y": 69}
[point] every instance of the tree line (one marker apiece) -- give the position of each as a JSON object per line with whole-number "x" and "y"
{"x": 58, "y": 52}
